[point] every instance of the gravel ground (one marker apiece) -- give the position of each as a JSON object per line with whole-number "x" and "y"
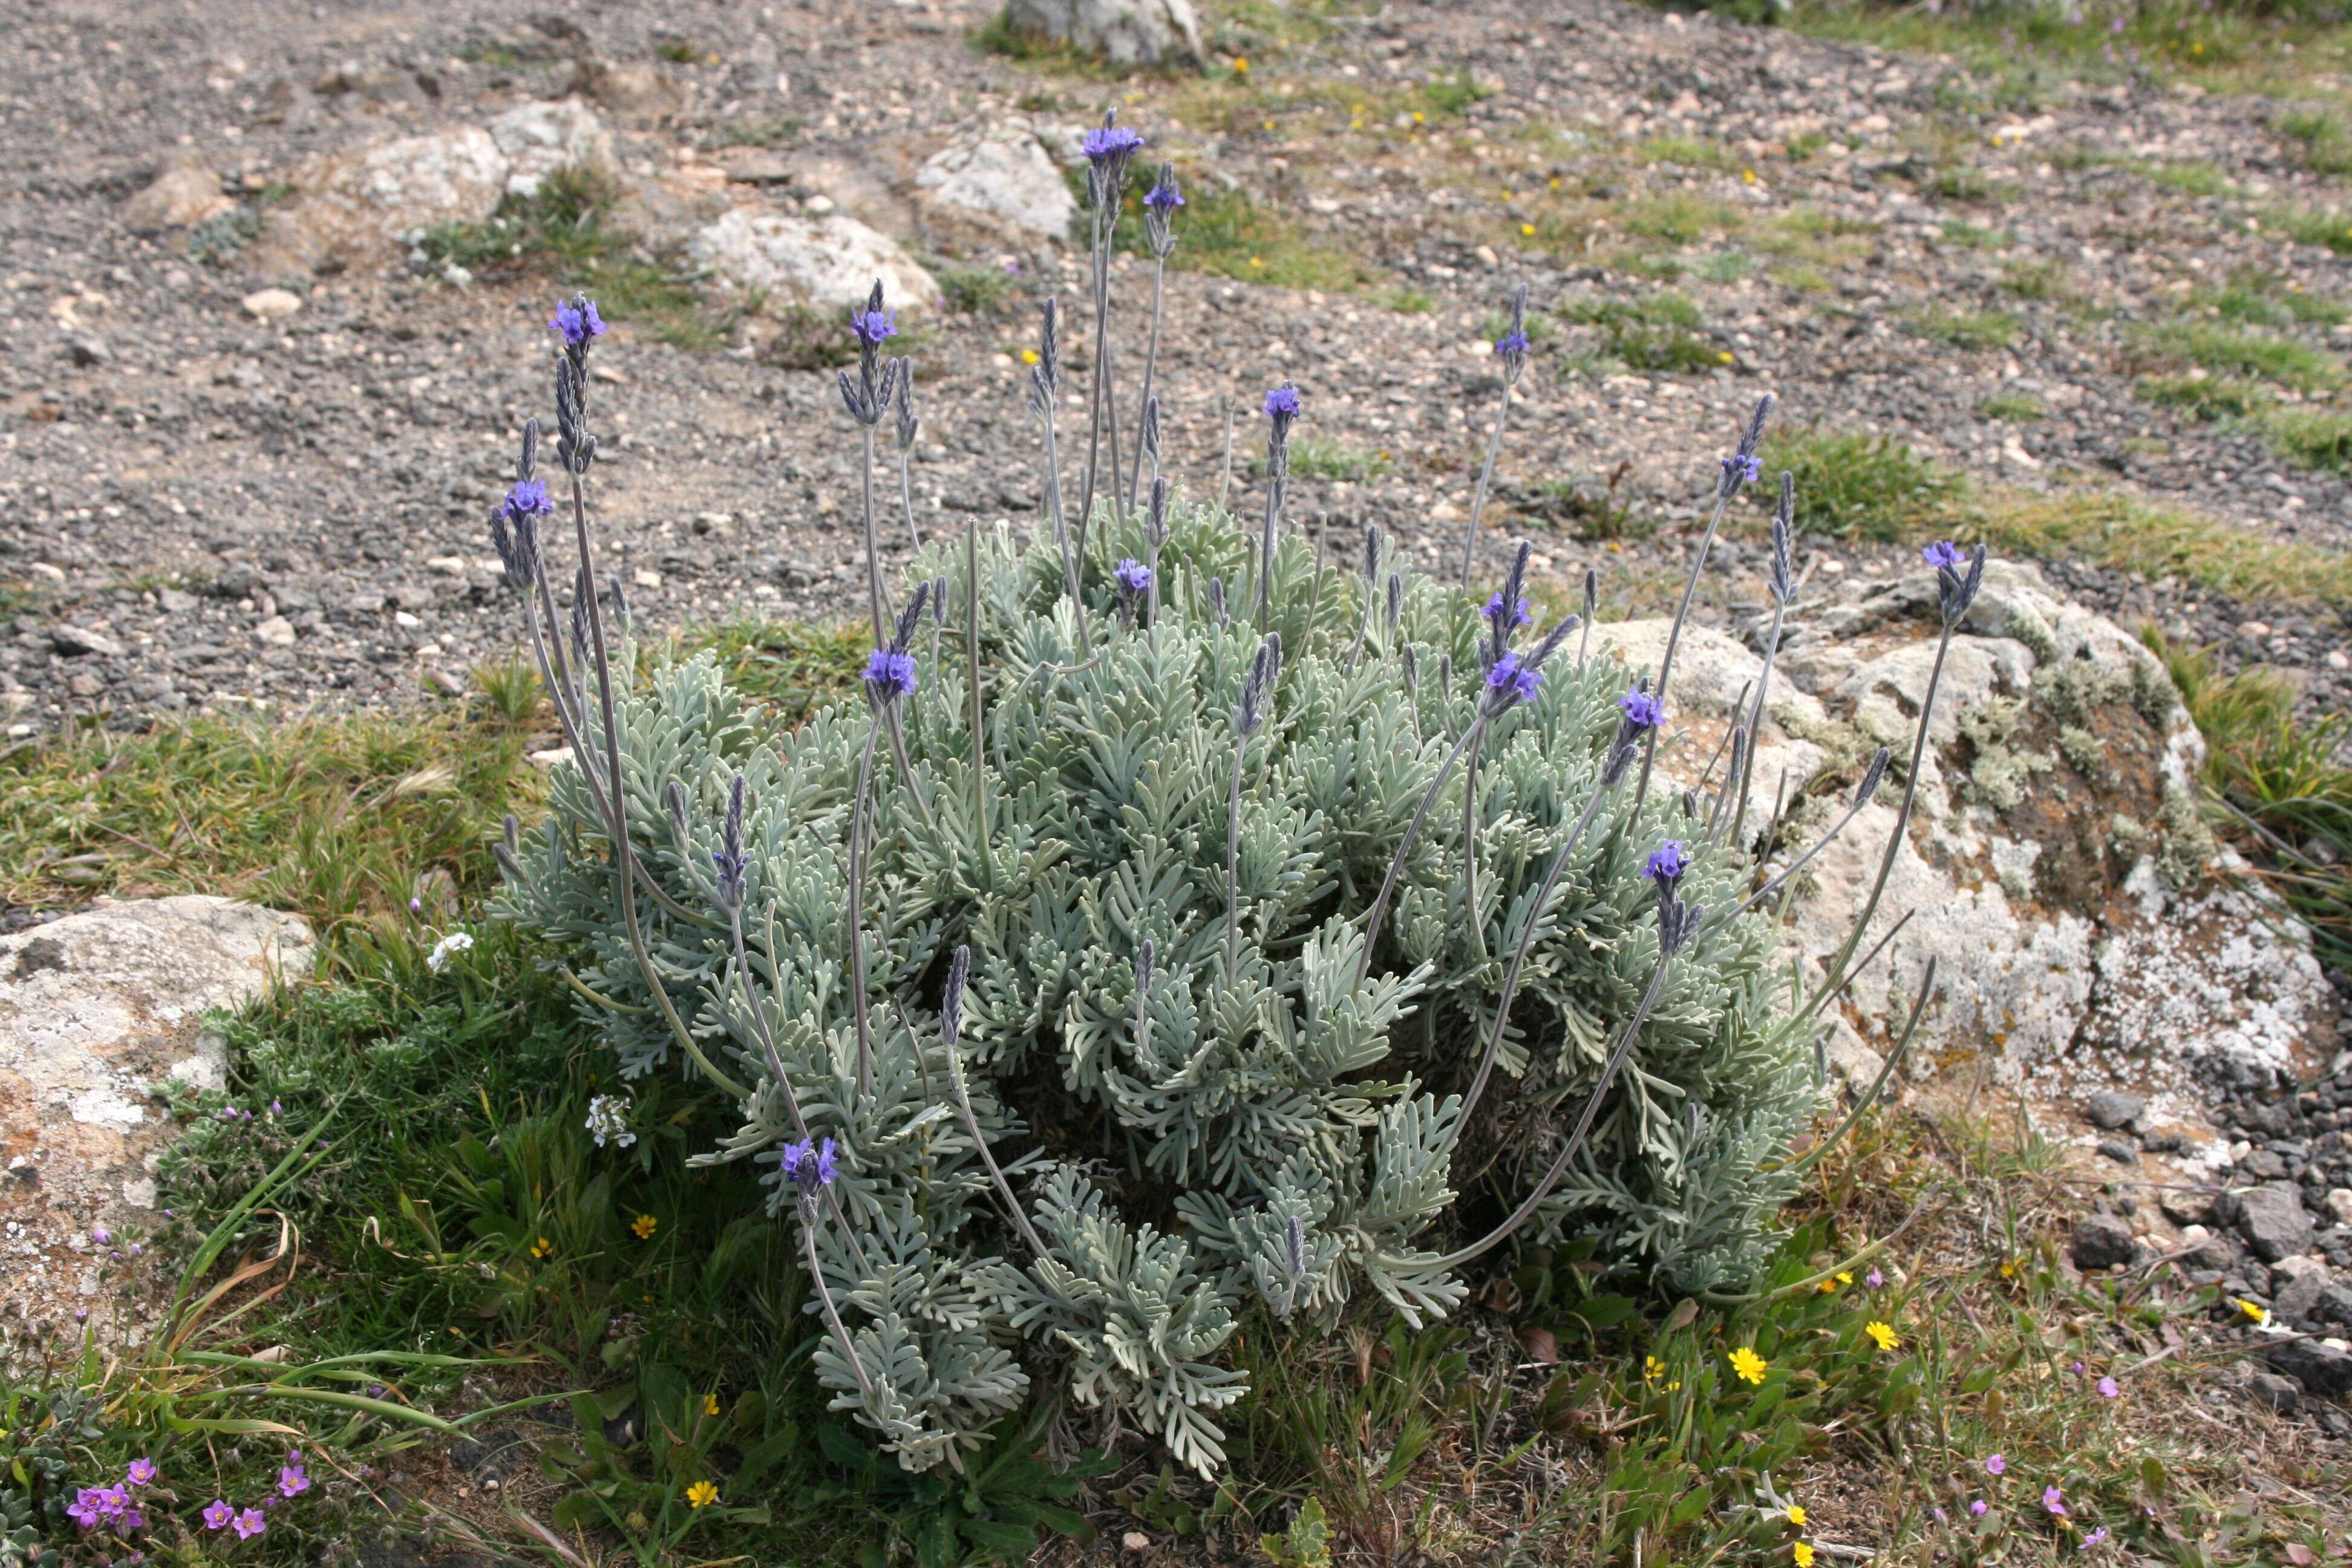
{"x": 196, "y": 506}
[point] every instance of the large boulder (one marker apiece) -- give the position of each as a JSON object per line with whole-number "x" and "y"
{"x": 95, "y": 1008}
{"x": 823, "y": 263}
{"x": 1123, "y": 32}
{"x": 1000, "y": 179}
{"x": 540, "y": 138}
{"x": 182, "y": 196}
{"x": 2056, "y": 865}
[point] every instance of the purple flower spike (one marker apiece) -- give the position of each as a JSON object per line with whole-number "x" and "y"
{"x": 1164, "y": 194}
{"x": 1667, "y": 862}
{"x": 1742, "y": 469}
{"x": 809, "y": 1166}
{"x": 1942, "y": 554}
{"x": 217, "y": 1516}
{"x": 2054, "y": 1501}
{"x": 1996, "y": 1466}
{"x": 528, "y": 499}
{"x": 1513, "y": 681}
{"x": 1134, "y": 577}
{"x": 1510, "y": 343}
{"x": 1112, "y": 142}
{"x": 1641, "y": 710}
{"x": 872, "y": 326}
{"x": 577, "y": 321}
{"x": 1495, "y": 609}
{"x": 1282, "y": 402}
{"x": 889, "y": 675}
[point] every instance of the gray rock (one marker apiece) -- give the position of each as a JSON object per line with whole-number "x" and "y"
{"x": 2320, "y": 1367}
{"x": 827, "y": 263}
{"x": 541, "y": 138}
{"x": 182, "y": 198}
{"x": 2122, "y": 1150}
{"x": 2101, "y": 1241}
{"x": 2114, "y": 1109}
{"x": 1124, "y": 32}
{"x": 2187, "y": 1205}
{"x": 2281, "y": 1394}
{"x": 2273, "y": 1220}
{"x": 1002, "y": 179}
{"x": 2314, "y": 1302}
{"x": 76, "y": 642}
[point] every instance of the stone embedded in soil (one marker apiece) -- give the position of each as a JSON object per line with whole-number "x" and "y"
{"x": 2101, "y": 1241}
{"x": 541, "y": 138}
{"x": 2113, "y": 1108}
{"x": 823, "y": 263}
{"x": 2322, "y": 1366}
{"x": 1123, "y": 32}
{"x": 182, "y": 196}
{"x": 2281, "y": 1394}
{"x": 2273, "y": 1220}
{"x": 1000, "y": 179}
{"x": 2315, "y": 1302}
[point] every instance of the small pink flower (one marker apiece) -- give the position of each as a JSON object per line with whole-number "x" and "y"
{"x": 2094, "y": 1537}
{"x": 2054, "y": 1501}
{"x": 1996, "y": 1466}
{"x": 2109, "y": 1388}
{"x": 217, "y": 1516}
{"x": 292, "y": 1481}
{"x": 141, "y": 1473}
{"x": 248, "y": 1524}
{"x": 1976, "y": 1509}
{"x": 1873, "y": 1279}
{"x": 99, "y": 1235}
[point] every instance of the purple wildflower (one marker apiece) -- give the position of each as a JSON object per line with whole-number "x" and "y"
{"x": 1874, "y": 1279}
{"x": 872, "y": 326}
{"x": 1939, "y": 1515}
{"x": 2096, "y": 1537}
{"x": 1282, "y": 403}
{"x": 889, "y": 673}
{"x": 1995, "y": 1464}
{"x": 1513, "y": 681}
{"x": 2054, "y": 1501}
{"x": 1641, "y": 710}
{"x": 1667, "y": 862}
{"x": 528, "y": 499}
{"x": 293, "y": 1480}
{"x": 84, "y": 1510}
{"x": 1494, "y": 609}
{"x": 1164, "y": 196}
{"x": 1112, "y": 143}
{"x": 577, "y": 321}
{"x": 810, "y": 1166}
{"x": 1134, "y": 577}
{"x": 99, "y": 1235}
{"x": 1742, "y": 469}
{"x": 2109, "y": 1388}
{"x": 1511, "y": 343}
{"x": 217, "y": 1516}
{"x": 248, "y": 1524}
{"x": 81, "y": 1314}
{"x": 141, "y": 1473}
{"x": 1942, "y": 554}
{"x": 1976, "y": 1509}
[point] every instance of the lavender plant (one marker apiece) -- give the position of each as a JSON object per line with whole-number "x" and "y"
{"x": 1157, "y": 874}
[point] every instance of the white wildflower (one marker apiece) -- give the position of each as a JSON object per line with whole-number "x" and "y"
{"x": 439, "y": 958}
{"x": 608, "y": 1117}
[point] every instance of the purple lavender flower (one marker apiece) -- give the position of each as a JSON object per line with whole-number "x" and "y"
{"x": 293, "y": 1480}
{"x": 889, "y": 675}
{"x": 2054, "y": 1499}
{"x": 1112, "y": 145}
{"x": 1164, "y": 196}
{"x": 577, "y": 321}
{"x": 1282, "y": 405}
{"x": 1942, "y": 554}
{"x": 1667, "y": 863}
{"x": 216, "y": 1517}
{"x": 1512, "y": 681}
{"x": 1641, "y": 710}
{"x": 528, "y": 499}
{"x": 2109, "y": 1388}
{"x": 1494, "y": 609}
{"x": 1134, "y": 577}
{"x": 872, "y": 326}
{"x": 1742, "y": 469}
{"x": 141, "y": 1473}
{"x": 1513, "y": 343}
{"x": 810, "y": 1166}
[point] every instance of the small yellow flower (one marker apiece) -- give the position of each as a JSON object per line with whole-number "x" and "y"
{"x": 1884, "y": 1333}
{"x": 1675, "y": 1386}
{"x": 701, "y": 1494}
{"x": 1527, "y": 231}
{"x": 1748, "y": 1365}
{"x": 1257, "y": 261}
{"x": 1797, "y": 1515}
{"x": 1355, "y": 125}
{"x": 1723, "y": 356}
{"x": 1555, "y": 182}
{"x": 710, "y": 1405}
{"x": 1241, "y": 65}
{"x": 1803, "y": 1551}
{"x": 1028, "y": 356}
{"x": 1418, "y": 117}
{"x": 1269, "y": 125}
{"x": 543, "y": 1248}
{"x": 2259, "y": 1314}
{"x": 1827, "y": 1287}
{"x": 1748, "y": 175}
{"x": 1653, "y": 1369}
{"x": 643, "y": 1225}
{"x": 1845, "y": 1277}
{"x": 2009, "y": 1268}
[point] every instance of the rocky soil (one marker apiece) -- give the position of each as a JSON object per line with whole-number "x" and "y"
{"x": 250, "y": 442}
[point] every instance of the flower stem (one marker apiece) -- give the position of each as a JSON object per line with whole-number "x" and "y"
{"x": 1486, "y": 473}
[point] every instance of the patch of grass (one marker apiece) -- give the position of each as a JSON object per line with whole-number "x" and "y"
{"x": 1679, "y": 219}
{"x": 221, "y": 238}
{"x": 2326, "y": 145}
{"x": 2114, "y": 529}
{"x": 775, "y": 131}
{"x": 1233, "y": 234}
{"x": 1454, "y": 93}
{"x": 2262, "y": 299}
{"x": 1859, "y": 486}
{"x": 2316, "y": 437}
{"x": 2189, "y": 178}
{"x": 1590, "y": 506}
{"x": 1978, "y": 331}
{"x": 1662, "y": 332}
{"x": 1315, "y": 458}
{"x": 1410, "y": 302}
{"x": 974, "y": 290}
{"x": 2284, "y": 792}
{"x": 1690, "y": 151}
{"x": 2219, "y": 349}
{"x": 566, "y": 232}
{"x": 1973, "y": 237}
{"x": 1960, "y": 183}
{"x": 2012, "y": 408}
{"x": 2035, "y": 280}
{"x": 2329, "y": 226}
{"x": 2204, "y": 396}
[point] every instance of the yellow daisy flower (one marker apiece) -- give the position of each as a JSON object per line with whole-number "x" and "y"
{"x": 710, "y": 1405}
{"x": 1884, "y": 1333}
{"x": 701, "y": 1494}
{"x": 1653, "y": 1369}
{"x": 1797, "y": 1515}
{"x": 643, "y": 1225}
{"x": 2259, "y": 1314}
{"x": 1527, "y": 230}
{"x": 1241, "y": 65}
{"x": 1748, "y": 1364}
{"x": 1028, "y": 356}
{"x": 1803, "y": 1553}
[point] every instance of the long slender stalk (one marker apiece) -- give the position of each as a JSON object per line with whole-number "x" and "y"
{"x": 857, "y": 1001}
{"x": 1062, "y": 529}
{"x": 1674, "y": 637}
{"x": 832, "y": 1314}
{"x": 624, "y": 849}
{"x": 874, "y": 594}
{"x": 971, "y": 671}
{"x": 1756, "y": 717}
{"x": 1277, "y": 475}
{"x": 1151, "y": 366}
{"x": 1226, "y": 476}
{"x": 907, "y": 502}
{"x": 971, "y": 1124}
{"x": 1380, "y": 910}
{"x": 1486, "y": 473}
{"x": 1233, "y": 860}
{"x": 1470, "y": 851}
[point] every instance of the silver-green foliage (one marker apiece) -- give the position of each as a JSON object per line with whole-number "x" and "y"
{"x": 1279, "y": 1129}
